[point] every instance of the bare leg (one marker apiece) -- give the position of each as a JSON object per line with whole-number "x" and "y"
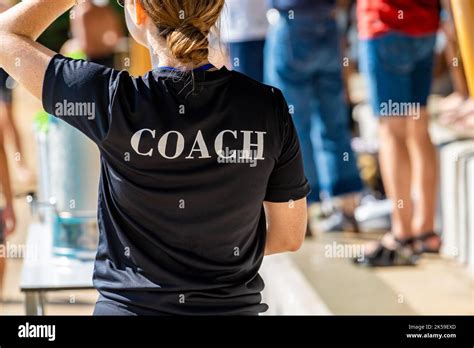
{"x": 7, "y": 124}
{"x": 396, "y": 168}
{"x": 456, "y": 71}
{"x": 348, "y": 202}
{"x": 425, "y": 175}
{"x": 396, "y": 173}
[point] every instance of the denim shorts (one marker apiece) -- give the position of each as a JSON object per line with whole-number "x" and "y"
{"x": 398, "y": 68}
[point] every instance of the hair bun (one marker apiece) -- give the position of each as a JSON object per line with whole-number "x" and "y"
{"x": 188, "y": 43}
{"x": 185, "y": 25}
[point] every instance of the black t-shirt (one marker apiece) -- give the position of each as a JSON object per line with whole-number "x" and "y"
{"x": 186, "y": 163}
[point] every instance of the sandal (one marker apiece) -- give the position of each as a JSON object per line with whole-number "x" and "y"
{"x": 420, "y": 246}
{"x": 402, "y": 254}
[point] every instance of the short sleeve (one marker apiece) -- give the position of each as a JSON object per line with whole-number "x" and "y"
{"x": 287, "y": 180}
{"x": 81, "y": 94}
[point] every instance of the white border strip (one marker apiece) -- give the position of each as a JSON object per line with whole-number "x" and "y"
{"x": 287, "y": 291}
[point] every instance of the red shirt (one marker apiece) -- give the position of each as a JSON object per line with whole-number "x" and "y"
{"x": 412, "y": 17}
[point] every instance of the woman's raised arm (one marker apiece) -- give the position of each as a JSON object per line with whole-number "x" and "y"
{"x": 24, "y": 59}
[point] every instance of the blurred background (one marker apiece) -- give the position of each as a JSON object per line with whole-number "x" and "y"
{"x": 329, "y": 59}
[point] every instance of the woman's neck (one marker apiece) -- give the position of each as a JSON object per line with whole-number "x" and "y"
{"x": 160, "y": 60}
{"x": 160, "y": 56}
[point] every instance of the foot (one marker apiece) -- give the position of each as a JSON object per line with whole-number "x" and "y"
{"x": 465, "y": 123}
{"x": 457, "y": 115}
{"x": 389, "y": 252}
{"x": 387, "y": 240}
{"x": 451, "y": 102}
{"x": 428, "y": 242}
{"x": 338, "y": 221}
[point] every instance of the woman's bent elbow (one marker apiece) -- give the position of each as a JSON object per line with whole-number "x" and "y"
{"x": 295, "y": 244}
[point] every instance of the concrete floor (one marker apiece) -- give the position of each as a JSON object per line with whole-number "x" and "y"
{"x": 434, "y": 286}
{"x": 307, "y": 282}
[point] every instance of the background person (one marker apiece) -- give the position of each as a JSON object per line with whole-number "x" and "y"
{"x": 7, "y": 123}
{"x": 302, "y": 58}
{"x": 396, "y": 55}
{"x": 244, "y": 28}
{"x": 453, "y": 103}
{"x": 457, "y": 109}
{"x": 96, "y": 29}
{"x": 7, "y": 215}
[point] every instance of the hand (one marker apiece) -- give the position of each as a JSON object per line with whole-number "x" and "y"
{"x": 8, "y": 219}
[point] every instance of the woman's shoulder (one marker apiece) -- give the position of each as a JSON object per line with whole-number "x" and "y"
{"x": 255, "y": 87}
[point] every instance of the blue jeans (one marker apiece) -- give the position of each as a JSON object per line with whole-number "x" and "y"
{"x": 398, "y": 68}
{"x": 302, "y": 58}
{"x": 247, "y": 57}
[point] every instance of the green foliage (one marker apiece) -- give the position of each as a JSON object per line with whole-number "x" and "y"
{"x": 57, "y": 34}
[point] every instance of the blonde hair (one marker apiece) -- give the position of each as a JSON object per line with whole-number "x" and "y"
{"x": 185, "y": 25}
